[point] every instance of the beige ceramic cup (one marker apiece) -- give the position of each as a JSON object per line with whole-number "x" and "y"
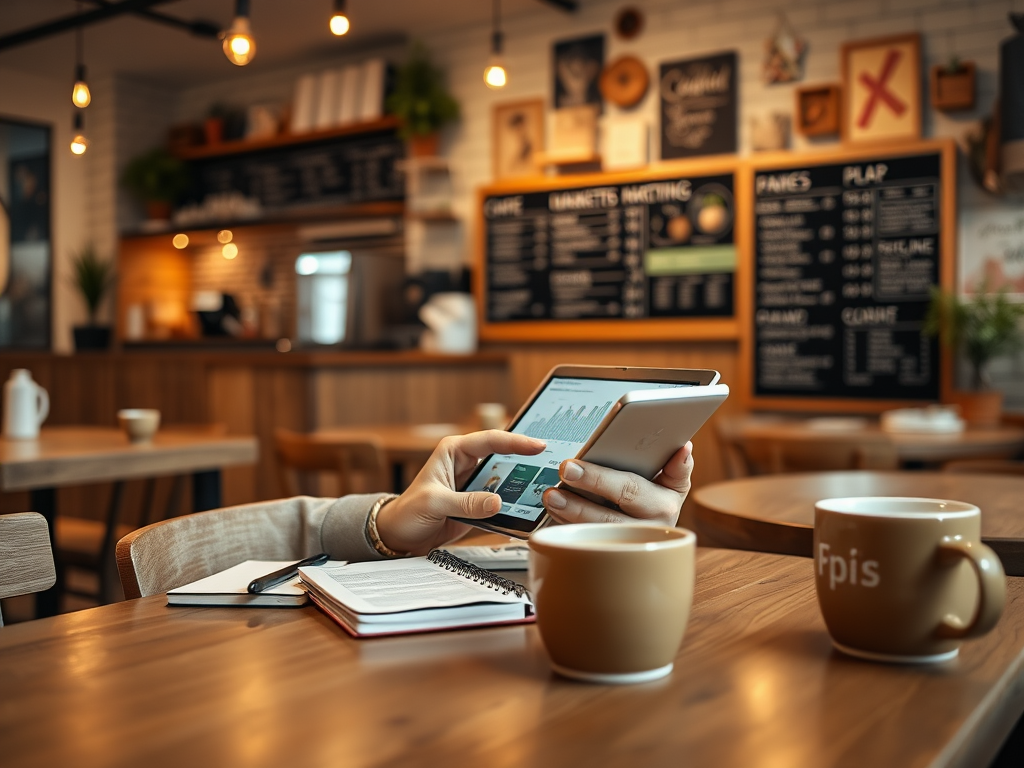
{"x": 612, "y": 600}
{"x": 904, "y": 579}
{"x": 140, "y": 424}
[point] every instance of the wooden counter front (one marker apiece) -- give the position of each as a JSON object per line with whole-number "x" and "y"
{"x": 254, "y": 392}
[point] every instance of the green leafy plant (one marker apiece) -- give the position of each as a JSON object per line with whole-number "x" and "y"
{"x": 982, "y": 328}
{"x": 92, "y": 277}
{"x": 420, "y": 97}
{"x": 156, "y": 176}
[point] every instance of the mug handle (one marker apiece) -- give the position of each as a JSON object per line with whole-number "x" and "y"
{"x": 42, "y": 404}
{"x": 991, "y": 587}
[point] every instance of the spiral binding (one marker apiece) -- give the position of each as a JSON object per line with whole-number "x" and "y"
{"x": 457, "y": 565}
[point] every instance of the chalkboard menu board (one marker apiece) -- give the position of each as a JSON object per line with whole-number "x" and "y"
{"x": 845, "y": 255}
{"x": 339, "y": 171}
{"x": 635, "y": 250}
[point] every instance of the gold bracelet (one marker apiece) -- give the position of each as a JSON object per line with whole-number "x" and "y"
{"x": 371, "y": 527}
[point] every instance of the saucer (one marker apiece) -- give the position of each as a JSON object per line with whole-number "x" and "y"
{"x": 935, "y": 658}
{"x": 614, "y": 678}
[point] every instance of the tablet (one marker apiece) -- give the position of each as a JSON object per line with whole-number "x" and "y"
{"x": 571, "y": 406}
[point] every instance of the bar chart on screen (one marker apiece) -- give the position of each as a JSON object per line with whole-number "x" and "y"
{"x": 570, "y": 423}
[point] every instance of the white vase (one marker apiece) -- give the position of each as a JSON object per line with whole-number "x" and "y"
{"x": 26, "y": 405}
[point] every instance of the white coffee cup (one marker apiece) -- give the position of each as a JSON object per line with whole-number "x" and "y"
{"x": 140, "y": 424}
{"x": 491, "y": 415}
{"x": 26, "y": 406}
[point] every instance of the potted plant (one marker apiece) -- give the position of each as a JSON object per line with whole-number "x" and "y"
{"x": 953, "y": 86}
{"x": 213, "y": 125}
{"x": 92, "y": 277}
{"x": 422, "y": 101}
{"x": 981, "y": 328}
{"x": 158, "y": 180}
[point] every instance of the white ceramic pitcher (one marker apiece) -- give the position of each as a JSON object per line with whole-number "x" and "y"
{"x": 26, "y": 405}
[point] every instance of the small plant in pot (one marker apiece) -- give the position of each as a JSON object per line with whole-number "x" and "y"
{"x": 92, "y": 277}
{"x": 981, "y": 328}
{"x": 158, "y": 180}
{"x": 422, "y": 101}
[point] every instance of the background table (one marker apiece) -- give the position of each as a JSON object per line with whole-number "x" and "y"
{"x": 775, "y": 513}
{"x": 408, "y": 446}
{"x": 756, "y": 683}
{"x": 63, "y": 456}
{"x": 996, "y": 442}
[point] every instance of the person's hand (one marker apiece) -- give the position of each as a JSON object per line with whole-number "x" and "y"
{"x": 419, "y": 519}
{"x": 654, "y": 501}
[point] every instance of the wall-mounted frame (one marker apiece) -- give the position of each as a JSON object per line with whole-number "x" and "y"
{"x": 844, "y": 247}
{"x": 818, "y": 110}
{"x": 517, "y": 138}
{"x": 629, "y": 256}
{"x": 881, "y": 81}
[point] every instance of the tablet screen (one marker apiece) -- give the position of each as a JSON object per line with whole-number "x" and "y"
{"x": 564, "y": 414}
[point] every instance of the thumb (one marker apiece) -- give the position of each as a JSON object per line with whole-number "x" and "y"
{"x": 474, "y": 505}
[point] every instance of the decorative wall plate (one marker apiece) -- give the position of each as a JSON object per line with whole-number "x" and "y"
{"x": 624, "y": 82}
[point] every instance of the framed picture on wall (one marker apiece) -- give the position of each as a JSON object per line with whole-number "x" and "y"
{"x": 518, "y": 137}
{"x": 577, "y": 69}
{"x": 881, "y": 89}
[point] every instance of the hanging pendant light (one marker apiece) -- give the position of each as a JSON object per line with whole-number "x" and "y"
{"x": 494, "y": 74}
{"x": 239, "y": 45}
{"x": 339, "y": 21}
{"x": 80, "y": 95}
{"x": 79, "y": 143}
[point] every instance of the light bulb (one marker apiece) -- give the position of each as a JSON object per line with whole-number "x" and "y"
{"x": 80, "y": 94}
{"x": 340, "y": 24}
{"x": 494, "y": 75}
{"x": 180, "y": 241}
{"x": 229, "y": 251}
{"x": 79, "y": 144}
{"x": 224, "y": 236}
{"x": 239, "y": 46}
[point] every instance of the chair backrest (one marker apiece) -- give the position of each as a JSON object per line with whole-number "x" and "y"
{"x": 360, "y": 465}
{"x": 730, "y": 447}
{"x": 26, "y": 559}
{"x": 820, "y": 453}
{"x": 985, "y": 467}
{"x": 180, "y": 550}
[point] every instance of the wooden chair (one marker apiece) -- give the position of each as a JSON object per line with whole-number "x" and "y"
{"x": 360, "y": 466}
{"x": 985, "y": 467}
{"x": 174, "y": 552}
{"x": 819, "y": 453}
{"x": 26, "y": 563}
{"x": 88, "y": 545}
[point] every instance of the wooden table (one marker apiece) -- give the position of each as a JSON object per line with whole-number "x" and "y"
{"x": 921, "y": 448}
{"x": 408, "y": 446}
{"x": 63, "y": 456}
{"x": 756, "y": 683}
{"x": 775, "y": 513}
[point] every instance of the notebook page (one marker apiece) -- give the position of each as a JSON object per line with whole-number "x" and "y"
{"x": 400, "y": 585}
{"x": 235, "y": 580}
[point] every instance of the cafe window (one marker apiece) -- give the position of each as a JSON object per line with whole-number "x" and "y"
{"x": 26, "y": 250}
{"x": 323, "y": 296}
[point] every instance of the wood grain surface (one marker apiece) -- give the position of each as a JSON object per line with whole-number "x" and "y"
{"x": 69, "y": 455}
{"x": 775, "y": 513}
{"x": 756, "y": 683}
{"x": 994, "y": 442}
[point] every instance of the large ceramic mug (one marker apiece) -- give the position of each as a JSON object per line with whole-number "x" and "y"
{"x": 904, "y": 579}
{"x": 612, "y": 600}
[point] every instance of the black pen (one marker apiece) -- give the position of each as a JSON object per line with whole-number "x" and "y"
{"x": 282, "y": 575}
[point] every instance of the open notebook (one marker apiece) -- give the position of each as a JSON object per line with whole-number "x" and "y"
{"x": 416, "y": 594}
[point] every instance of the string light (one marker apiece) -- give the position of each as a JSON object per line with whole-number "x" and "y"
{"x": 229, "y": 251}
{"x": 239, "y": 45}
{"x": 180, "y": 241}
{"x": 79, "y": 143}
{"x": 339, "y": 21}
{"x": 80, "y": 95}
{"x": 224, "y": 236}
{"x": 494, "y": 74}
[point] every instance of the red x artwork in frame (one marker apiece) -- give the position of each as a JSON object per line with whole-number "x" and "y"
{"x": 882, "y": 89}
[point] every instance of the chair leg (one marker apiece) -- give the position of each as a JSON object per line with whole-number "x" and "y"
{"x": 148, "y": 514}
{"x": 107, "y": 564}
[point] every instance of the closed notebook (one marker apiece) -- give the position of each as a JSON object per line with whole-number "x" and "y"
{"x": 416, "y": 594}
{"x": 230, "y": 587}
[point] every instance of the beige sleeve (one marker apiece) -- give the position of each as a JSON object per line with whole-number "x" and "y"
{"x": 343, "y": 528}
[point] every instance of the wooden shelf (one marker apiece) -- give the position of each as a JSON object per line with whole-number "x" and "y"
{"x": 284, "y": 140}
{"x": 431, "y": 216}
